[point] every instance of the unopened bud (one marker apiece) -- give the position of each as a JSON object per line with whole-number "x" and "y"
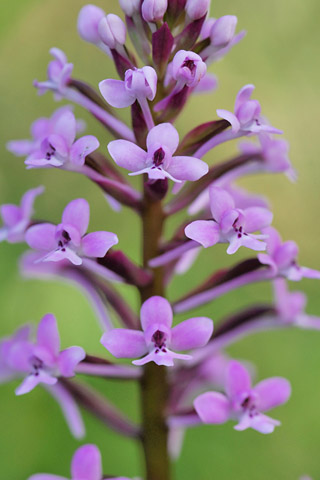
{"x": 223, "y": 30}
{"x": 130, "y": 6}
{"x": 88, "y": 21}
{"x": 197, "y": 8}
{"x": 153, "y": 10}
{"x": 112, "y": 30}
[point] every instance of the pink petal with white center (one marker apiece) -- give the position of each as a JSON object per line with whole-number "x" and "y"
{"x": 116, "y": 94}
{"x": 86, "y": 463}
{"x": 156, "y": 311}
{"x": 238, "y": 380}
{"x": 77, "y": 214}
{"x": 127, "y": 155}
{"x": 249, "y": 241}
{"x": 162, "y": 358}
{"x": 97, "y": 244}
{"x": 42, "y": 236}
{"x": 205, "y": 232}
{"x": 66, "y": 127}
{"x": 257, "y": 218}
{"x": 31, "y": 381}
{"x": 220, "y": 202}
{"x": 69, "y": 359}
{"x": 62, "y": 254}
{"x": 124, "y": 343}
{"x": 212, "y": 407}
{"x": 192, "y": 333}
{"x": 261, "y": 423}
{"x": 271, "y": 393}
{"x": 83, "y": 147}
{"x": 163, "y": 134}
{"x": 187, "y": 168}
{"x": 48, "y": 335}
{"x": 231, "y": 118}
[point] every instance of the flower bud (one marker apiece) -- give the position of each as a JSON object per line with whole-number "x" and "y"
{"x": 130, "y": 6}
{"x": 88, "y": 21}
{"x": 222, "y": 31}
{"x": 112, "y": 30}
{"x": 153, "y": 10}
{"x": 188, "y": 68}
{"x": 197, "y": 8}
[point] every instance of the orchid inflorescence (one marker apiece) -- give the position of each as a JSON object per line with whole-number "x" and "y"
{"x": 176, "y": 42}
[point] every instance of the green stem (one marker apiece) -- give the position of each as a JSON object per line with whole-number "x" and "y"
{"x": 154, "y": 384}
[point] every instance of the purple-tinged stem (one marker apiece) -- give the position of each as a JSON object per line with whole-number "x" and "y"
{"x": 234, "y": 166}
{"x": 173, "y": 254}
{"x": 146, "y": 113}
{"x": 116, "y": 126}
{"x": 208, "y": 295}
{"x": 217, "y": 140}
{"x": 109, "y": 371}
{"x": 101, "y": 408}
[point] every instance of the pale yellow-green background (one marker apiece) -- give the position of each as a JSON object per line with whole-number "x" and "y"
{"x": 280, "y": 55}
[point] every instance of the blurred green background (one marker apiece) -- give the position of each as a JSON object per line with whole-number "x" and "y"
{"x": 280, "y": 55}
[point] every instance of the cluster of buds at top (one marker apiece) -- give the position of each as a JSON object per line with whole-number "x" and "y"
{"x": 177, "y": 42}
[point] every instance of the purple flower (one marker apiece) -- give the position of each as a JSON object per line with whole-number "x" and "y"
{"x": 139, "y": 84}
{"x": 291, "y": 307}
{"x": 8, "y": 370}
{"x": 188, "y": 68}
{"x": 158, "y": 162}
{"x": 242, "y": 402}
{"x": 221, "y": 33}
{"x": 68, "y": 239}
{"x": 281, "y": 258}
{"x": 86, "y": 465}
{"x": 41, "y": 361}
{"x": 197, "y": 8}
{"x": 16, "y": 219}
{"x": 230, "y": 224}
{"x": 59, "y": 74}
{"x": 112, "y": 31}
{"x": 58, "y": 148}
{"x": 153, "y": 10}
{"x": 40, "y": 129}
{"x": 158, "y": 337}
{"x": 246, "y": 117}
{"x": 274, "y": 152}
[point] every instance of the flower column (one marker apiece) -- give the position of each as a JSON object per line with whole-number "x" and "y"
{"x": 154, "y": 385}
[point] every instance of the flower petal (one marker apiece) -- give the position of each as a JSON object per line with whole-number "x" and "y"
{"x": 31, "y": 381}
{"x": 205, "y": 232}
{"x": 83, "y": 147}
{"x": 46, "y": 476}
{"x": 220, "y": 202}
{"x": 28, "y": 199}
{"x": 66, "y": 127}
{"x": 86, "y": 463}
{"x": 187, "y": 168}
{"x": 192, "y": 333}
{"x": 286, "y": 254}
{"x": 231, "y": 118}
{"x": 243, "y": 95}
{"x": 156, "y": 310}
{"x": 11, "y": 214}
{"x": 77, "y": 214}
{"x": 124, "y": 343}
{"x": 272, "y": 392}
{"x": 69, "y": 359}
{"x": 116, "y": 94}
{"x": 212, "y": 407}
{"x": 42, "y": 237}
{"x": 257, "y": 218}
{"x": 238, "y": 380}
{"x": 127, "y": 155}
{"x": 163, "y": 134}
{"x": 48, "y": 335}
{"x": 96, "y": 244}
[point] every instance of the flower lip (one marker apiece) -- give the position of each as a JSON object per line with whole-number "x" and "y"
{"x": 158, "y": 157}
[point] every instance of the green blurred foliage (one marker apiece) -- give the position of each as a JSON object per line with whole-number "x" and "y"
{"x": 280, "y": 55}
